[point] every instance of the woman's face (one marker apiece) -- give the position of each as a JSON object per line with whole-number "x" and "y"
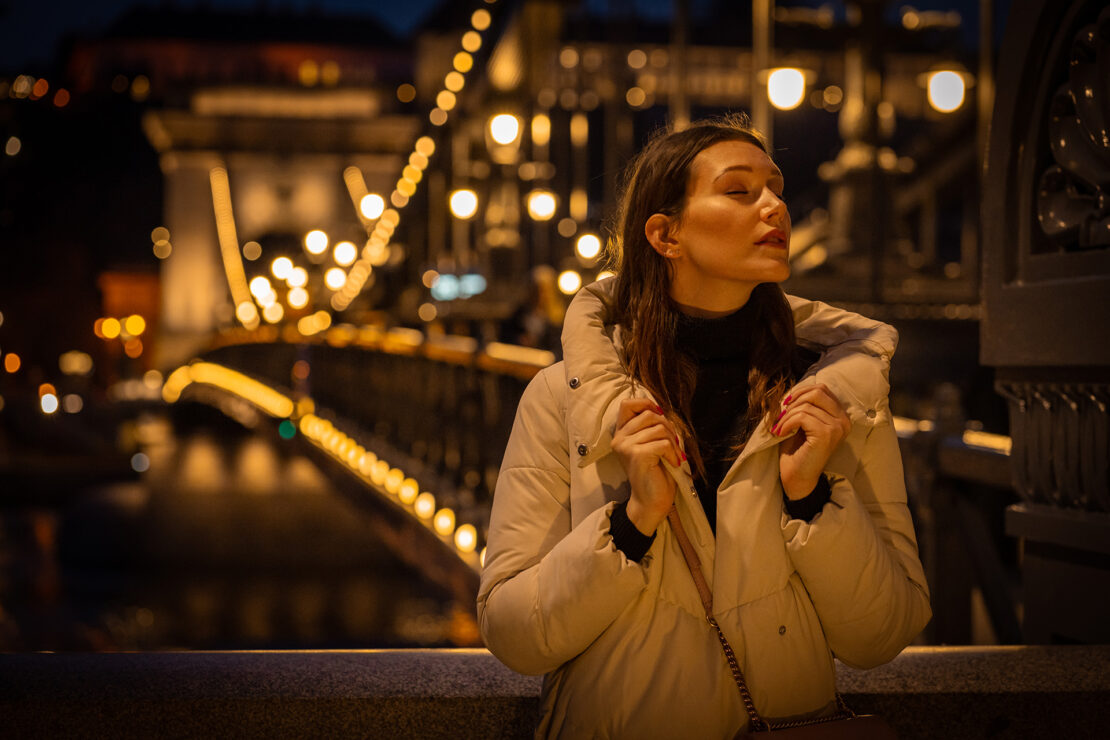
{"x": 734, "y": 232}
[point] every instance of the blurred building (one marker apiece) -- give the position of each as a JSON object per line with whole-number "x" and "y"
{"x": 256, "y": 118}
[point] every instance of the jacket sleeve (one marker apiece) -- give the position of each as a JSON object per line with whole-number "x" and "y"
{"x": 858, "y": 559}
{"x": 547, "y": 589}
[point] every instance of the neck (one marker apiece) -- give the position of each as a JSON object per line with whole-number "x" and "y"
{"x": 705, "y": 302}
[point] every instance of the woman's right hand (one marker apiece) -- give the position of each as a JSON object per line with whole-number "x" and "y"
{"x": 643, "y": 439}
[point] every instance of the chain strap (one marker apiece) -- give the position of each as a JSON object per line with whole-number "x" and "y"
{"x": 758, "y": 723}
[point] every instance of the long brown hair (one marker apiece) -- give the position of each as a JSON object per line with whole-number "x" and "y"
{"x": 656, "y": 181}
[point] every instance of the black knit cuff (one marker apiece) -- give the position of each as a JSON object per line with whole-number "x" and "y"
{"x": 808, "y": 507}
{"x": 629, "y": 540}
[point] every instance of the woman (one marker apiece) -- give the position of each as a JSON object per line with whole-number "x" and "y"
{"x": 691, "y": 381}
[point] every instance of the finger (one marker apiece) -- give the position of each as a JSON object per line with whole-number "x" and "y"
{"x": 649, "y": 438}
{"x": 821, "y": 397}
{"x": 630, "y": 407}
{"x": 645, "y": 419}
{"x": 811, "y": 420}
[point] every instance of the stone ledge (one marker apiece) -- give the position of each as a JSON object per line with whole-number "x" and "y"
{"x": 1059, "y": 691}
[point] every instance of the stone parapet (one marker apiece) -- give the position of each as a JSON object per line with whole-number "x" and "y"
{"x": 952, "y": 692}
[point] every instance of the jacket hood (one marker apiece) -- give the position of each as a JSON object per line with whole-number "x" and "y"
{"x": 855, "y": 363}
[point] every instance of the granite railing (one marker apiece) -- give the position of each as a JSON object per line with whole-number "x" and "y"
{"x": 926, "y": 692}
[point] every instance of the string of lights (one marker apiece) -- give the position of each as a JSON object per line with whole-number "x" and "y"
{"x": 389, "y": 480}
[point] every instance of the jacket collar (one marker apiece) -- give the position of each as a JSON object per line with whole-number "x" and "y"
{"x": 854, "y": 364}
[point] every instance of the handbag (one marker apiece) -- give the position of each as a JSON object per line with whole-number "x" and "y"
{"x": 844, "y": 724}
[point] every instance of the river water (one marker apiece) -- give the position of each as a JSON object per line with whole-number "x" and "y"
{"x": 223, "y": 543}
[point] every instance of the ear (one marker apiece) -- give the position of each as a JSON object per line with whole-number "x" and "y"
{"x": 658, "y": 231}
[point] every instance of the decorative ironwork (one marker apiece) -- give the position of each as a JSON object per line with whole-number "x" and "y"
{"x": 1061, "y": 443}
{"x": 1073, "y": 197}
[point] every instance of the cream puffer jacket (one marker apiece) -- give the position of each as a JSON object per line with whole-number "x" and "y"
{"x": 625, "y": 646}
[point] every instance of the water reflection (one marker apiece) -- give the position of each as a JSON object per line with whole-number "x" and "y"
{"x": 227, "y": 542}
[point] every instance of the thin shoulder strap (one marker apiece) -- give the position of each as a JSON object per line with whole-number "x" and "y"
{"x": 694, "y": 563}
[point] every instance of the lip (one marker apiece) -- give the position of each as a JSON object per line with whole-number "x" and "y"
{"x": 774, "y": 238}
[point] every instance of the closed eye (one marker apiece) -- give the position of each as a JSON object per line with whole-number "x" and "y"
{"x": 736, "y": 192}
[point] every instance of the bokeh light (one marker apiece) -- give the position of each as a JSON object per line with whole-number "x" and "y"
{"x": 504, "y": 128}
{"x": 335, "y": 278}
{"x": 786, "y": 88}
{"x": 541, "y": 204}
{"x": 281, "y": 267}
{"x": 946, "y": 90}
{"x": 588, "y": 246}
{"x": 371, "y": 205}
{"x": 464, "y": 203}
{"x": 345, "y": 253}
{"x": 316, "y": 241}
{"x": 569, "y": 282}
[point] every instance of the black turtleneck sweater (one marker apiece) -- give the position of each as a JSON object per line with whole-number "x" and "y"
{"x": 720, "y": 347}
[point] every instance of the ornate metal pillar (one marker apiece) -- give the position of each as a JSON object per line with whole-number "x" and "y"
{"x": 1046, "y": 301}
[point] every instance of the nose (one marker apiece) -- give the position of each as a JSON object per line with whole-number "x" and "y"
{"x": 773, "y": 209}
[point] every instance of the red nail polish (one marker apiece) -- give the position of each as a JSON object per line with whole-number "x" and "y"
{"x": 780, "y": 415}
{"x": 788, "y": 399}
{"x": 683, "y": 457}
{"x": 659, "y": 410}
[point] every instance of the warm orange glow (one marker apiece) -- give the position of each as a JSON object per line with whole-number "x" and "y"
{"x": 41, "y": 87}
{"x": 48, "y": 403}
{"x": 273, "y": 313}
{"x": 246, "y": 313}
{"x": 425, "y": 145}
{"x": 504, "y": 128}
{"x": 480, "y": 19}
{"x": 569, "y": 282}
{"x": 466, "y": 538}
{"x": 541, "y": 205}
{"x": 463, "y": 203}
{"x": 12, "y": 362}
{"x": 140, "y": 88}
{"x": 445, "y": 99}
{"x": 133, "y": 347}
{"x": 308, "y": 73}
{"x": 345, "y": 253}
{"x": 135, "y": 325}
{"x": 316, "y": 241}
{"x": 297, "y": 298}
{"x": 463, "y": 62}
{"x": 445, "y": 522}
{"x": 438, "y": 116}
{"x": 298, "y": 278}
{"x": 110, "y": 328}
{"x": 45, "y": 388}
{"x": 406, "y": 93}
{"x": 372, "y": 205}
{"x": 588, "y": 246}
{"x": 472, "y": 41}
{"x": 281, "y": 267}
{"x": 425, "y": 505}
{"x": 61, "y": 98}
{"x": 454, "y": 81}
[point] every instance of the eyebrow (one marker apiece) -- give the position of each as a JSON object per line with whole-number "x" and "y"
{"x": 775, "y": 172}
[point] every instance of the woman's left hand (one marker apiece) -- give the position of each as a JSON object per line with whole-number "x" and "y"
{"x": 818, "y": 423}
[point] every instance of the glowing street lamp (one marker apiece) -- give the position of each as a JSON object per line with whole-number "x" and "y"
{"x": 786, "y": 87}
{"x": 588, "y": 246}
{"x": 504, "y": 128}
{"x": 463, "y": 203}
{"x": 372, "y": 205}
{"x": 316, "y": 241}
{"x": 541, "y": 205}
{"x": 946, "y": 90}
